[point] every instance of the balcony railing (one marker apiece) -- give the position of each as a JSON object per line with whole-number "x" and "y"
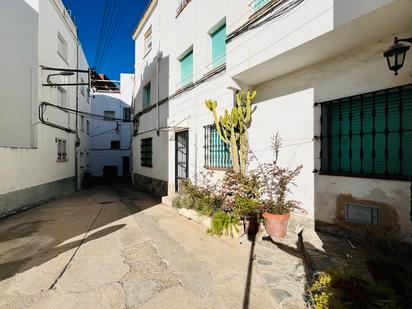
{"x": 181, "y": 6}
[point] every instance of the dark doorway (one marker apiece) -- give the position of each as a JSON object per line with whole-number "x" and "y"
{"x": 126, "y": 166}
{"x": 181, "y": 157}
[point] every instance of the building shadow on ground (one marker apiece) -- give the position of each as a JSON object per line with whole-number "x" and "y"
{"x": 35, "y": 236}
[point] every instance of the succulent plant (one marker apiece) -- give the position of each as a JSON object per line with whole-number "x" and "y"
{"x": 233, "y": 127}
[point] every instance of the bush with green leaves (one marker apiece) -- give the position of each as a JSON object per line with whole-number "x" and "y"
{"x": 197, "y": 198}
{"x": 334, "y": 289}
{"x": 224, "y": 223}
{"x": 247, "y": 207}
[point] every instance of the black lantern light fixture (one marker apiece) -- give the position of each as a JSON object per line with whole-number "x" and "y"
{"x": 395, "y": 55}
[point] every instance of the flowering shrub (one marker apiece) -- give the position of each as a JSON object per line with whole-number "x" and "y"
{"x": 238, "y": 185}
{"x": 241, "y": 196}
{"x": 275, "y": 182}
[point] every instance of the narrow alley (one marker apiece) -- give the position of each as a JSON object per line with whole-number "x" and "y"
{"x": 112, "y": 247}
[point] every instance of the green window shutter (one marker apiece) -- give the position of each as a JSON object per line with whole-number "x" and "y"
{"x": 370, "y": 134}
{"x": 258, "y": 4}
{"x": 147, "y": 92}
{"x": 219, "y": 155}
{"x": 186, "y": 69}
{"x": 219, "y": 46}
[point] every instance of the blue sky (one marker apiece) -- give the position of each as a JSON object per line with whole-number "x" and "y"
{"x": 88, "y": 16}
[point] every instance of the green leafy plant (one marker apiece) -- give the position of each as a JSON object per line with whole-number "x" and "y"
{"x": 247, "y": 207}
{"x": 233, "y": 128}
{"x": 197, "y": 198}
{"x": 236, "y": 184}
{"x": 224, "y": 223}
{"x": 334, "y": 289}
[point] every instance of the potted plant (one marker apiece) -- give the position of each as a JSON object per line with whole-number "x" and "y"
{"x": 275, "y": 185}
{"x": 249, "y": 210}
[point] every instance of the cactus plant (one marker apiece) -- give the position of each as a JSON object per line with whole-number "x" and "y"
{"x": 233, "y": 127}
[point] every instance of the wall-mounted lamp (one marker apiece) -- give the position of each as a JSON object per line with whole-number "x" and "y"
{"x": 395, "y": 55}
{"x": 58, "y": 74}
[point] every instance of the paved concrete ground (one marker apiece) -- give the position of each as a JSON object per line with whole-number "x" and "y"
{"x": 111, "y": 247}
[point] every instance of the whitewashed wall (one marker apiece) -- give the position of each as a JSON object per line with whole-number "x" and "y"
{"x": 320, "y": 51}
{"x": 102, "y": 132}
{"x": 19, "y": 58}
{"x": 289, "y": 101}
{"x": 34, "y": 162}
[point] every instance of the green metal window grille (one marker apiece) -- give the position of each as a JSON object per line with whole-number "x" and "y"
{"x": 217, "y": 153}
{"x": 146, "y": 152}
{"x": 186, "y": 69}
{"x": 219, "y": 46}
{"x": 147, "y": 92}
{"x": 369, "y": 135}
{"x": 258, "y": 4}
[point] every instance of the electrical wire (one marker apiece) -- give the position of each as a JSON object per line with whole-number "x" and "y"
{"x": 43, "y": 106}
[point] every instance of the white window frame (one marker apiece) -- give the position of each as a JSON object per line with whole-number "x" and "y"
{"x": 64, "y": 97}
{"x": 62, "y": 155}
{"x": 148, "y": 41}
{"x": 82, "y": 87}
{"x": 82, "y": 123}
{"x": 63, "y": 52}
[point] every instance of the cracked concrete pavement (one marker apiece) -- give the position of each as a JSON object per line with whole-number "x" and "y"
{"x": 113, "y": 247}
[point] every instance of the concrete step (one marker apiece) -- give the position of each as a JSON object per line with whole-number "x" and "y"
{"x": 324, "y": 252}
{"x": 168, "y": 200}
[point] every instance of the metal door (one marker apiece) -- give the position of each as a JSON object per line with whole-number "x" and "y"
{"x": 181, "y": 157}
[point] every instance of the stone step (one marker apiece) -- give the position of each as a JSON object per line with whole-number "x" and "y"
{"x": 324, "y": 252}
{"x": 168, "y": 200}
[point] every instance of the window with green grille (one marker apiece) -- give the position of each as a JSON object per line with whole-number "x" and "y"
{"x": 258, "y": 4}
{"x": 146, "y": 152}
{"x": 217, "y": 153}
{"x": 186, "y": 69}
{"x": 369, "y": 135}
{"x": 147, "y": 93}
{"x": 219, "y": 46}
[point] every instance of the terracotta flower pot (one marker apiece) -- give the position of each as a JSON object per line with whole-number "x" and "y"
{"x": 276, "y": 225}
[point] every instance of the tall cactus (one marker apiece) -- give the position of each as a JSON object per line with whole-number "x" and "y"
{"x": 233, "y": 128}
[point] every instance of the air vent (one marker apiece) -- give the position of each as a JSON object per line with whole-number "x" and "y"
{"x": 362, "y": 214}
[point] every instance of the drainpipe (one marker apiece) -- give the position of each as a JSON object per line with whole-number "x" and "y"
{"x": 157, "y": 71}
{"x": 76, "y": 152}
{"x": 158, "y": 93}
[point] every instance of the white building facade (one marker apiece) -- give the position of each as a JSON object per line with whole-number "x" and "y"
{"x": 322, "y": 83}
{"x": 43, "y": 157}
{"x": 110, "y": 137}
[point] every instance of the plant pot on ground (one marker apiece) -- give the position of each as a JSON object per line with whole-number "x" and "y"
{"x": 276, "y": 225}
{"x": 249, "y": 210}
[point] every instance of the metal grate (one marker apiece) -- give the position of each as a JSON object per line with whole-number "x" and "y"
{"x": 368, "y": 135}
{"x": 362, "y": 214}
{"x": 217, "y": 155}
{"x": 146, "y": 152}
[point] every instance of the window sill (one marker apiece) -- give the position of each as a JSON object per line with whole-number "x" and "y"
{"x": 62, "y": 161}
{"x": 218, "y": 169}
{"x": 146, "y": 165}
{"x": 369, "y": 176}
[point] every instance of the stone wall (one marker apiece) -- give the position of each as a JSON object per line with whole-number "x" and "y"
{"x": 150, "y": 185}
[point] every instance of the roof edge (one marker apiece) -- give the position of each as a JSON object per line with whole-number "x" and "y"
{"x": 148, "y": 11}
